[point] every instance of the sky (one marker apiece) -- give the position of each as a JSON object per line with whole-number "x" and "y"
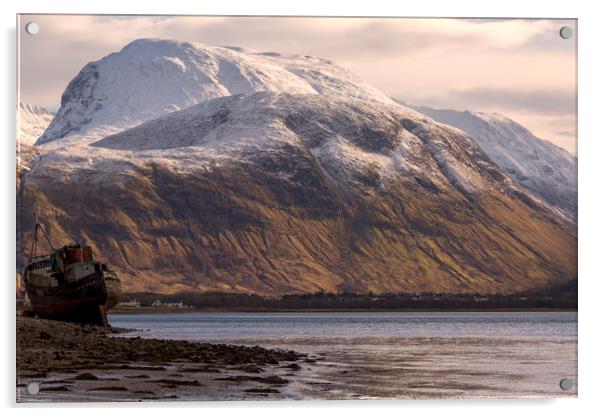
{"x": 520, "y": 68}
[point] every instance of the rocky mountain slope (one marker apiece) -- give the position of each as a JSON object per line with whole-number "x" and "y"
{"x": 277, "y": 192}
{"x": 547, "y": 170}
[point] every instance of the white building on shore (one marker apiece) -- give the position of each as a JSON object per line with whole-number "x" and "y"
{"x": 130, "y": 304}
{"x": 170, "y": 305}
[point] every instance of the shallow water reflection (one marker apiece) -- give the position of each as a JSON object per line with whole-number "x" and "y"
{"x": 397, "y": 355}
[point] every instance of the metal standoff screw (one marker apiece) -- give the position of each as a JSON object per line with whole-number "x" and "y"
{"x": 33, "y": 388}
{"x": 566, "y": 32}
{"x": 566, "y": 384}
{"x": 32, "y": 28}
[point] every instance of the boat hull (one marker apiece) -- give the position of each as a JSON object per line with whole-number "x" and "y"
{"x": 80, "y": 301}
{"x": 113, "y": 287}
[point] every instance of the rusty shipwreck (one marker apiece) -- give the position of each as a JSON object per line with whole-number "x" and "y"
{"x": 69, "y": 284}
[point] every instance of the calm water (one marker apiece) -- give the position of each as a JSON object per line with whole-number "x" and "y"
{"x": 397, "y": 355}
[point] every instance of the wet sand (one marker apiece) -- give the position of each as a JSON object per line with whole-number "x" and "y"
{"x": 72, "y": 362}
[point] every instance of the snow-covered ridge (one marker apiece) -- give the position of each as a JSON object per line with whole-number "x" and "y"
{"x": 32, "y": 120}
{"x": 230, "y": 101}
{"x": 152, "y": 77}
{"x": 539, "y": 165}
{"x": 359, "y": 145}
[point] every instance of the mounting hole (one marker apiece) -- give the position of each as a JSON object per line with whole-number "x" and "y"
{"x": 32, "y": 28}
{"x": 566, "y": 384}
{"x": 566, "y": 32}
{"x": 33, "y": 388}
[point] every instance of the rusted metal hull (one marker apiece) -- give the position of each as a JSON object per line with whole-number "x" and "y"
{"x": 82, "y": 301}
{"x": 113, "y": 287}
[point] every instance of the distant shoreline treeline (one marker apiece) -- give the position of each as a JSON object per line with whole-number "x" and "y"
{"x": 559, "y": 297}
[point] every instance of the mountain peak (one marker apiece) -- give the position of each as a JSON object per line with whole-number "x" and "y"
{"x": 149, "y": 78}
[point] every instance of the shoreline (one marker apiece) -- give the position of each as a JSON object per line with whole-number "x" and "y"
{"x": 82, "y": 363}
{"x": 79, "y": 363}
{"x": 150, "y": 310}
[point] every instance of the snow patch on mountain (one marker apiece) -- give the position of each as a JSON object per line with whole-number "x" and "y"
{"x": 32, "y": 120}
{"x": 547, "y": 170}
{"x": 327, "y": 78}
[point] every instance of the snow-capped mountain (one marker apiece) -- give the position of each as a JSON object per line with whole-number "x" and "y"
{"x": 152, "y": 77}
{"x": 549, "y": 171}
{"x": 318, "y": 182}
{"x": 32, "y": 120}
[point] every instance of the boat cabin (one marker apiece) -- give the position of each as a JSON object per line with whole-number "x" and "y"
{"x": 68, "y": 263}
{"x": 72, "y": 253}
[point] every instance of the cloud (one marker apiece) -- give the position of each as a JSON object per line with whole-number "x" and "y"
{"x": 552, "y": 102}
{"x": 566, "y": 133}
{"x": 66, "y": 43}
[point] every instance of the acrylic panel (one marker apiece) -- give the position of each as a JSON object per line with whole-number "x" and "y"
{"x": 298, "y": 208}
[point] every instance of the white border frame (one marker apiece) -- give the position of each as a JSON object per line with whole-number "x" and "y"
{"x": 589, "y": 151}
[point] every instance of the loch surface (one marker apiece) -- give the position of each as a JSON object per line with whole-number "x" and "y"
{"x": 396, "y": 355}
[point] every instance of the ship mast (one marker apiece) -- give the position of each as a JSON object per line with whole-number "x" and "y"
{"x": 34, "y": 243}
